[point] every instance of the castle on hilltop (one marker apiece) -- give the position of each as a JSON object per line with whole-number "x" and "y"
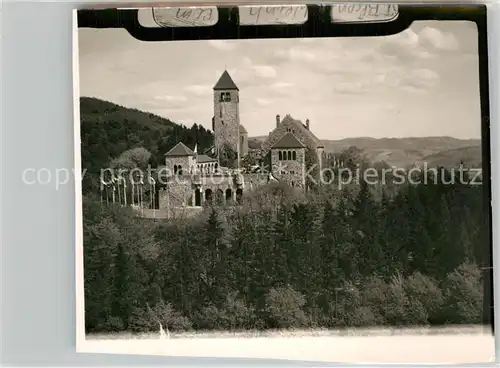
{"x": 196, "y": 179}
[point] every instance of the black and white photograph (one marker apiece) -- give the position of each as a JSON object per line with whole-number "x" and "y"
{"x": 314, "y": 199}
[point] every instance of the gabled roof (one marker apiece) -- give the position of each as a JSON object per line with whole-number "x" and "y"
{"x": 225, "y": 82}
{"x": 180, "y": 149}
{"x": 288, "y": 141}
{"x": 288, "y": 119}
{"x": 242, "y": 129}
{"x": 204, "y": 158}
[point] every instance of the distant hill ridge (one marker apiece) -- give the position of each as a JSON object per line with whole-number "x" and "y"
{"x": 109, "y": 129}
{"x": 401, "y": 152}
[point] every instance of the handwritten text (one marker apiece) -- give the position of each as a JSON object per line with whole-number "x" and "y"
{"x": 342, "y": 13}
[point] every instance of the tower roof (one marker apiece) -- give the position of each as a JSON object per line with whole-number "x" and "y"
{"x": 288, "y": 141}
{"x": 180, "y": 149}
{"x": 242, "y": 129}
{"x": 225, "y": 82}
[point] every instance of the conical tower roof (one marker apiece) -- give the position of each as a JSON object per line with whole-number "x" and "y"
{"x": 225, "y": 82}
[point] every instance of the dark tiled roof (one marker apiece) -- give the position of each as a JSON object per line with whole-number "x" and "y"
{"x": 204, "y": 158}
{"x": 180, "y": 149}
{"x": 225, "y": 82}
{"x": 288, "y": 141}
{"x": 299, "y": 124}
{"x": 242, "y": 129}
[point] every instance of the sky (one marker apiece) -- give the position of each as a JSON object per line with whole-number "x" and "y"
{"x": 421, "y": 82}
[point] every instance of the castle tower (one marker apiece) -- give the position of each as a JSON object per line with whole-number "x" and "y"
{"x": 226, "y": 121}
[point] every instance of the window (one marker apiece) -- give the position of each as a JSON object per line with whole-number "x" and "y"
{"x": 294, "y": 155}
{"x": 175, "y": 169}
{"x": 225, "y": 97}
{"x": 179, "y": 169}
{"x": 289, "y": 155}
{"x": 280, "y": 156}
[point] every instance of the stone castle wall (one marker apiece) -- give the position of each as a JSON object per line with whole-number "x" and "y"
{"x": 187, "y": 190}
{"x": 226, "y": 121}
{"x": 290, "y": 171}
{"x": 187, "y": 163}
{"x": 177, "y": 193}
{"x": 243, "y": 144}
{"x": 255, "y": 180}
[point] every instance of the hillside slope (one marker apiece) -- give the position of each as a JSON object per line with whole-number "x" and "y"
{"x": 452, "y": 158}
{"x": 108, "y": 129}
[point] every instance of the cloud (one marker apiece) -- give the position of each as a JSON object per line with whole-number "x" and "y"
{"x": 420, "y": 80}
{"x": 295, "y": 54}
{"x": 281, "y": 85}
{"x": 264, "y": 71}
{"x": 199, "y": 89}
{"x": 222, "y": 45}
{"x": 260, "y": 71}
{"x": 281, "y": 88}
{"x": 411, "y": 46}
{"x": 173, "y": 99}
{"x": 263, "y": 102}
{"x": 356, "y": 87}
{"x": 439, "y": 40}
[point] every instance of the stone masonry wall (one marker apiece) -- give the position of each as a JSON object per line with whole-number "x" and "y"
{"x": 290, "y": 171}
{"x": 243, "y": 144}
{"x": 226, "y": 121}
{"x": 187, "y": 162}
{"x": 255, "y": 180}
{"x": 178, "y": 192}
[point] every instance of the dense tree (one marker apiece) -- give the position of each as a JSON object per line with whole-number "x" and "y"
{"x": 359, "y": 254}
{"x": 109, "y": 130}
{"x": 228, "y": 157}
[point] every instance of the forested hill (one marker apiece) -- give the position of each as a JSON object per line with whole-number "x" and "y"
{"x": 108, "y": 129}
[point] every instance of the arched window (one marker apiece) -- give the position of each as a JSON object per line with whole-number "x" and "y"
{"x": 280, "y": 156}
{"x": 208, "y": 196}
{"x": 289, "y": 155}
{"x": 229, "y": 194}
{"x": 294, "y": 155}
{"x": 219, "y": 196}
{"x": 179, "y": 169}
{"x": 197, "y": 197}
{"x": 239, "y": 194}
{"x": 175, "y": 169}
